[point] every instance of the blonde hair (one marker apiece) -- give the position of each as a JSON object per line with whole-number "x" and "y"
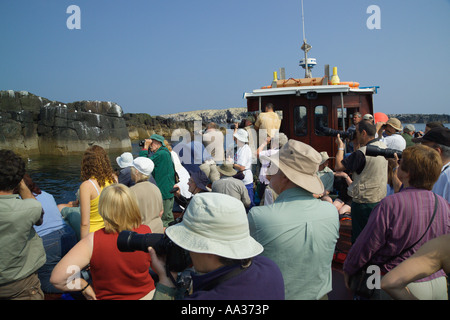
{"x": 119, "y": 208}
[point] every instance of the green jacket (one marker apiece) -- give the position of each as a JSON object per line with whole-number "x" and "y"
{"x": 408, "y": 139}
{"x": 164, "y": 172}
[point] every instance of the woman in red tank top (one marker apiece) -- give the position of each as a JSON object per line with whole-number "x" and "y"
{"x": 115, "y": 275}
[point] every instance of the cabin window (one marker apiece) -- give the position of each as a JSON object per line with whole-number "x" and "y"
{"x": 320, "y": 119}
{"x": 300, "y": 121}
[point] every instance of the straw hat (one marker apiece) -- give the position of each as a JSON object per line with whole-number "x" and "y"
{"x": 125, "y": 160}
{"x": 241, "y": 135}
{"x": 144, "y": 165}
{"x": 395, "y": 123}
{"x": 300, "y": 163}
{"x": 226, "y": 169}
{"x": 215, "y": 223}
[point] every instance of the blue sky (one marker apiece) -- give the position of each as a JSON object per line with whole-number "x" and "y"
{"x": 161, "y": 57}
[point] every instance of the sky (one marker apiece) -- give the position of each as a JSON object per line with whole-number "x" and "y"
{"x": 161, "y": 57}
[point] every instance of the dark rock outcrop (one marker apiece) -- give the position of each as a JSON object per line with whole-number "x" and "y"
{"x": 30, "y": 124}
{"x": 421, "y": 118}
{"x": 142, "y": 125}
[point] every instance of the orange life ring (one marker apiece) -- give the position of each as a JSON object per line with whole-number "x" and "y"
{"x": 351, "y": 84}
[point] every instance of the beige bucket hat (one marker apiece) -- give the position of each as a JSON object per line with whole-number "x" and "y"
{"x": 300, "y": 163}
{"x": 395, "y": 123}
{"x": 215, "y": 223}
{"x": 227, "y": 169}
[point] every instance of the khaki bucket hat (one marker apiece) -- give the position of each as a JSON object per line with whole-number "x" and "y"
{"x": 300, "y": 163}
{"x": 227, "y": 169}
{"x": 395, "y": 123}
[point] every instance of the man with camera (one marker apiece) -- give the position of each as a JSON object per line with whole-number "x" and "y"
{"x": 21, "y": 250}
{"x": 369, "y": 175}
{"x": 164, "y": 172}
{"x": 390, "y": 134}
{"x": 215, "y": 233}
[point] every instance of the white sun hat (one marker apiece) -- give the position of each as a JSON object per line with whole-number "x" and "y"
{"x": 215, "y": 223}
{"x": 144, "y": 165}
{"x": 241, "y": 135}
{"x": 125, "y": 160}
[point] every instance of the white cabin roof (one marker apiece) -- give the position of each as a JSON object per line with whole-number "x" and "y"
{"x": 304, "y": 89}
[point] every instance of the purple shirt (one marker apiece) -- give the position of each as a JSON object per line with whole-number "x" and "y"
{"x": 396, "y": 223}
{"x": 261, "y": 281}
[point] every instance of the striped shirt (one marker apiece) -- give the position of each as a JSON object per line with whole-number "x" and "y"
{"x": 396, "y": 223}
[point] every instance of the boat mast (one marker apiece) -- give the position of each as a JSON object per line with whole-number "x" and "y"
{"x": 305, "y": 63}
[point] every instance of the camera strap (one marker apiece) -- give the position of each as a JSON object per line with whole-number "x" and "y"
{"x": 373, "y": 140}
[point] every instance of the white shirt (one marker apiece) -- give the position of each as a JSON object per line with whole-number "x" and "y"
{"x": 243, "y": 157}
{"x": 442, "y": 185}
{"x": 395, "y": 141}
{"x": 264, "y": 159}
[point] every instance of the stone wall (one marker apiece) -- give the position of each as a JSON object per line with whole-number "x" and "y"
{"x": 30, "y": 124}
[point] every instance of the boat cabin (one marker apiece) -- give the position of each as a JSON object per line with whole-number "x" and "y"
{"x": 304, "y": 110}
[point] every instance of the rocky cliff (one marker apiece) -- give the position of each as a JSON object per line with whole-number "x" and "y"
{"x": 421, "y": 118}
{"x": 30, "y": 124}
{"x": 142, "y": 125}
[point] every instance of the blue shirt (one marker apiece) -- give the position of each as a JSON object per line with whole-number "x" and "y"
{"x": 442, "y": 185}
{"x": 52, "y": 216}
{"x": 299, "y": 233}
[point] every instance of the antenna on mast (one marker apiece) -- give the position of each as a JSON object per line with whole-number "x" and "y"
{"x": 306, "y": 63}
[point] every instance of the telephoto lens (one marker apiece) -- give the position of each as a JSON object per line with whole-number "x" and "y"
{"x": 129, "y": 241}
{"x": 375, "y": 151}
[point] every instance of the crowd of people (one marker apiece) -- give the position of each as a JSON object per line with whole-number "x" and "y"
{"x": 257, "y": 222}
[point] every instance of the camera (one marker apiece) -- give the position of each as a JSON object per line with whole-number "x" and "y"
{"x": 177, "y": 259}
{"x": 374, "y": 151}
{"x": 174, "y": 190}
{"x": 333, "y": 133}
{"x": 142, "y": 143}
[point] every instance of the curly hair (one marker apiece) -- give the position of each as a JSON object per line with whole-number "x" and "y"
{"x": 96, "y": 164}
{"x": 12, "y": 170}
{"x": 34, "y": 188}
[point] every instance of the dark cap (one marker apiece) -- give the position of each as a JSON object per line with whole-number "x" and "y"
{"x": 201, "y": 180}
{"x": 439, "y": 135}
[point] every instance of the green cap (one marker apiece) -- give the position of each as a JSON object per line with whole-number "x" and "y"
{"x": 159, "y": 138}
